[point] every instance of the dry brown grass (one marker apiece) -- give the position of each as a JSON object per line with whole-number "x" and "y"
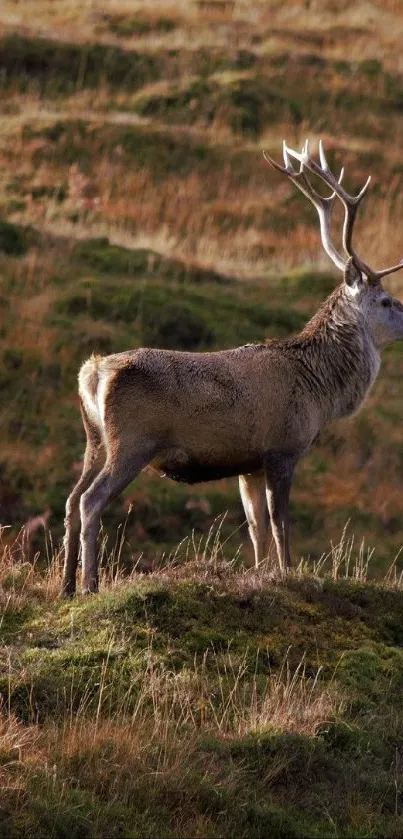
{"x": 157, "y": 728}
{"x": 183, "y": 215}
{"x": 160, "y": 719}
{"x": 25, "y": 579}
{"x": 148, "y": 726}
{"x": 367, "y": 29}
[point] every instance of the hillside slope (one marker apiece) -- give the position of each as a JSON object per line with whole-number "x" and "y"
{"x": 202, "y": 702}
{"x": 193, "y": 696}
{"x": 136, "y": 208}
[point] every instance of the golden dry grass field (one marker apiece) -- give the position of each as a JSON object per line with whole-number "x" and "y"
{"x": 201, "y": 699}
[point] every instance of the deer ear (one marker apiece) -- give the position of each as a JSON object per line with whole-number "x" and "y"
{"x": 352, "y": 275}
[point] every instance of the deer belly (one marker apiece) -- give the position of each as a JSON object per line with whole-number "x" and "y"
{"x": 192, "y": 470}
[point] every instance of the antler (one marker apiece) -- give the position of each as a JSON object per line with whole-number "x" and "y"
{"x": 324, "y": 206}
{"x": 350, "y": 203}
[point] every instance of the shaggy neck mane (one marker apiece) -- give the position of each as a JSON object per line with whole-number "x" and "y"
{"x": 335, "y": 315}
{"x": 332, "y": 354}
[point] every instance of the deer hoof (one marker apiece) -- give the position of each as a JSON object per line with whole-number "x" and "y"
{"x": 67, "y": 593}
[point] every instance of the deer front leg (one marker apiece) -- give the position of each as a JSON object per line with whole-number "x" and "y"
{"x": 253, "y": 494}
{"x": 279, "y": 471}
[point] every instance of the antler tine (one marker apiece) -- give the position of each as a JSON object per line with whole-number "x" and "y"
{"x": 286, "y": 159}
{"x": 379, "y": 274}
{"x": 274, "y": 163}
{"x": 350, "y": 202}
{"x": 288, "y": 168}
{"x": 323, "y": 205}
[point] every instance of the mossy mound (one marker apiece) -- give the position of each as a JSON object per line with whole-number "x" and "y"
{"x": 212, "y": 646}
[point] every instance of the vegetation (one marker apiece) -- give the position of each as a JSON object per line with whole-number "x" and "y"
{"x": 202, "y": 700}
{"x": 193, "y": 696}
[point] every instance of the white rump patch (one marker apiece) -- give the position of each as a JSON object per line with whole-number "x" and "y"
{"x": 101, "y": 394}
{"x": 92, "y": 392}
{"x": 90, "y": 404}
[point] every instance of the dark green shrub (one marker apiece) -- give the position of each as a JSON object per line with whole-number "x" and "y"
{"x": 12, "y": 239}
{"x": 61, "y": 67}
{"x": 176, "y": 327}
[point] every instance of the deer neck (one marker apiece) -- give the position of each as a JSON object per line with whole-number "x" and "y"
{"x": 338, "y": 356}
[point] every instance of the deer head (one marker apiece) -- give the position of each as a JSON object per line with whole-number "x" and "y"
{"x": 382, "y": 313}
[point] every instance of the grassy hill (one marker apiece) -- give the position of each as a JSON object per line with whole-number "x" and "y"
{"x": 201, "y": 701}
{"x": 200, "y": 698}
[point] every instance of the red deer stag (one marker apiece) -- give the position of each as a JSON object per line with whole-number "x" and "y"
{"x": 250, "y": 411}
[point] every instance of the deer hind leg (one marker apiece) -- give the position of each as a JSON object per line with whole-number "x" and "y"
{"x": 94, "y": 459}
{"x": 279, "y": 470}
{"x": 253, "y": 494}
{"x": 116, "y": 474}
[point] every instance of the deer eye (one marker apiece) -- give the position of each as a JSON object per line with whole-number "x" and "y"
{"x": 386, "y": 303}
